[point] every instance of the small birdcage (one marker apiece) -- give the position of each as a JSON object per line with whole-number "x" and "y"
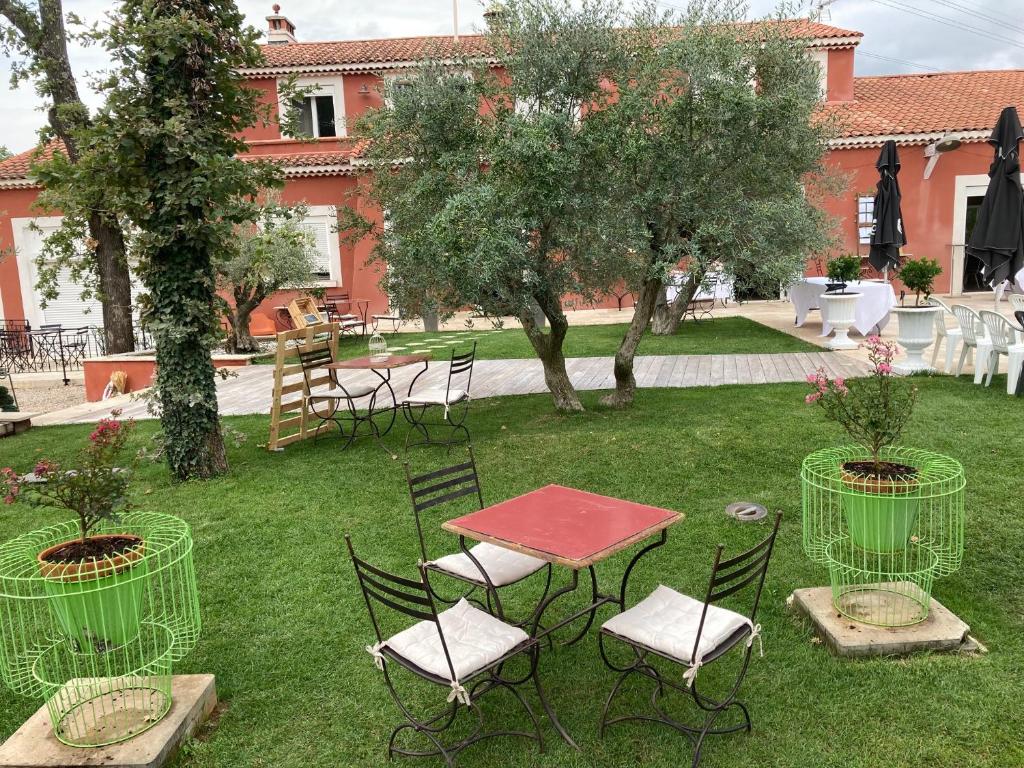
{"x": 884, "y": 543}
{"x": 99, "y": 651}
{"x": 378, "y": 349}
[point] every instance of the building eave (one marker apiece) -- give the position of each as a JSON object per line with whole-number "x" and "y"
{"x": 24, "y": 183}
{"x": 877, "y": 140}
{"x": 358, "y": 68}
{"x": 310, "y": 171}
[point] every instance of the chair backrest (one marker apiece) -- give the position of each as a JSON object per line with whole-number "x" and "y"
{"x": 461, "y": 369}
{"x": 312, "y": 360}
{"x": 1017, "y": 302}
{"x": 972, "y": 327}
{"x": 730, "y": 576}
{"x": 940, "y": 317}
{"x": 407, "y": 597}
{"x": 999, "y": 330}
{"x": 440, "y": 487}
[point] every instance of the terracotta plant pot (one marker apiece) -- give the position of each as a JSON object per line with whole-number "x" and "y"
{"x": 880, "y": 513}
{"x": 98, "y": 603}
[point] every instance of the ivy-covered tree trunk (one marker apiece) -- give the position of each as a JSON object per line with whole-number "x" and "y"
{"x": 181, "y": 282}
{"x": 44, "y": 40}
{"x": 549, "y": 349}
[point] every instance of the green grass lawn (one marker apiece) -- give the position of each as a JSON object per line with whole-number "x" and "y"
{"x": 285, "y": 627}
{"x": 724, "y": 335}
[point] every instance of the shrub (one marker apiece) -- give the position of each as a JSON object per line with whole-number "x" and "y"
{"x": 6, "y": 400}
{"x": 844, "y": 269}
{"x": 919, "y": 276}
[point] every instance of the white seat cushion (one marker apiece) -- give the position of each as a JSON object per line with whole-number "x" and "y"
{"x": 357, "y": 390}
{"x": 436, "y": 396}
{"x": 475, "y": 640}
{"x": 503, "y": 566}
{"x": 666, "y": 621}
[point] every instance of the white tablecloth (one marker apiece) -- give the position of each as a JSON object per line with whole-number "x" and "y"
{"x": 873, "y": 307}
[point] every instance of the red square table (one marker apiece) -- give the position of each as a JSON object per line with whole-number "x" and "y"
{"x": 573, "y": 528}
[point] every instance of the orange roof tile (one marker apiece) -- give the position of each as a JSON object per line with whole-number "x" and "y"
{"x": 406, "y": 49}
{"x": 894, "y": 105}
{"x": 17, "y": 166}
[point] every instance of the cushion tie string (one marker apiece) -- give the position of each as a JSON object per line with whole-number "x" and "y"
{"x": 378, "y": 657}
{"x": 458, "y": 693}
{"x": 691, "y": 673}
{"x": 756, "y": 634}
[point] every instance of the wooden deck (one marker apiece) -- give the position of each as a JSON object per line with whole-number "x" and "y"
{"x": 250, "y": 391}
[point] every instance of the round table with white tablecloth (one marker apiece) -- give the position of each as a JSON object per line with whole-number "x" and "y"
{"x": 873, "y": 308}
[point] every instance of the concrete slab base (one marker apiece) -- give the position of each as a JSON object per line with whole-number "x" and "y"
{"x": 941, "y": 631}
{"x": 33, "y": 745}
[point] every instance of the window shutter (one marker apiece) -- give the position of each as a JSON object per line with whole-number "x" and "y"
{"x": 321, "y": 234}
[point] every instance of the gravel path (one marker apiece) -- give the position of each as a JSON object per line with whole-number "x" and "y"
{"x": 46, "y": 396}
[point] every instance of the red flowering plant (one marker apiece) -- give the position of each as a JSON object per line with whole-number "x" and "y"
{"x": 874, "y": 410}
{"x": 95, "y": 491}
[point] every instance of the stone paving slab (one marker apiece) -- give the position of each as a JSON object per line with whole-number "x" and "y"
{"x": 941, "y": 631}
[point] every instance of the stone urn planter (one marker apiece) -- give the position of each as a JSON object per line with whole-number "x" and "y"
{"x": 916, "y": 334}
{"x": 840, "y": 311}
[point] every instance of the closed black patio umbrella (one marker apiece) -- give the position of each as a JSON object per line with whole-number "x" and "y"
{"x": 887, "y": 233}
{"x": 998, "y": 236}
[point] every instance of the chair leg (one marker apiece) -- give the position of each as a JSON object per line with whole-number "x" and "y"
{"x": 1015, "y": 367}
{"x": 951, "y": 342}
{"x": 982, "y": 355}
{"x": 963, "y": 359}
{"x": 993, "y": 367}
{"x": 938, "y": 343}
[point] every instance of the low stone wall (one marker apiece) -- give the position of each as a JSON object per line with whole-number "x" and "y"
{"x": 140, "y": 370}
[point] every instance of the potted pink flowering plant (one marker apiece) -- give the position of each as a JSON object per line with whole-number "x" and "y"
{"x": 94, "y": 580}
{"x": 881, "y": 502}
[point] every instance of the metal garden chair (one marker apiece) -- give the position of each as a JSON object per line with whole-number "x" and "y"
{"x": 672, "y": 626}
{"x": 325, "y": 404}
{"x": 952, "y": 336}
{"x": 484, "y": 566}
{"x": 975, "y": 336}
{"x": 1005, "y": 342}
{"x": 452, "y": 399}
{"x": 462, "y": 648}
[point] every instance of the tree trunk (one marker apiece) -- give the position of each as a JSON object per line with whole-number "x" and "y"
{"x": 240, "y": 339}
{"x": 625, "y": 382}
{"x": 668, "y": 317}
{"x": 115, "y": 286}
{"x": 46, "y": 40}
{"x": 549, "y": 349}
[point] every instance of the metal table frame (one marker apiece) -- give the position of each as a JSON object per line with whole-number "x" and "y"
{"x": 598, "y": 598}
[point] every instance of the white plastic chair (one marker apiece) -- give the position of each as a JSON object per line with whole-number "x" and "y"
{"x": 1017, "y": 302}
{"x": 975, "y": 336}
{"x": 1004, "y": 342}
{"x": 952, "y": 336}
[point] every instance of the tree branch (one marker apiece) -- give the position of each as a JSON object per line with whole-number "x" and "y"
{"x": 23, "y": 19}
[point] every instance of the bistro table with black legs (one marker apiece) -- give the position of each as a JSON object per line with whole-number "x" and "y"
{"x": 383, "y": 368}
{"x": 575, "y": 529}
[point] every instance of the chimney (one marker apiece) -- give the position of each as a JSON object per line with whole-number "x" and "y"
{"x": 281, "y": 30}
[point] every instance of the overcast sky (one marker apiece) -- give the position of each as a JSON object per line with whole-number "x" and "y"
{"x": 890, "y": 30}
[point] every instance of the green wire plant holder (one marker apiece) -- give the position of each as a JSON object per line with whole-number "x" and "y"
{"x": 99, "y": 651}
{"x": 884, "y": 544}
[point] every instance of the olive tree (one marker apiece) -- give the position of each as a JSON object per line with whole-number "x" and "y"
{"x": 266, "y": 256}
{"x": 91, "y": 239}
{"x": 493, "y": 182}
{"x": 4, "y": 152}
{"x": 169, "y": 138}
{"x": 716, "y": 123}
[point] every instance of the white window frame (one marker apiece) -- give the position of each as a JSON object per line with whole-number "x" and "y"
{"x": 821, "y": 58}
{"x": 320, "y": 86}
{"x": 865, "y": 218}
{"x": 327, "y": 214}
